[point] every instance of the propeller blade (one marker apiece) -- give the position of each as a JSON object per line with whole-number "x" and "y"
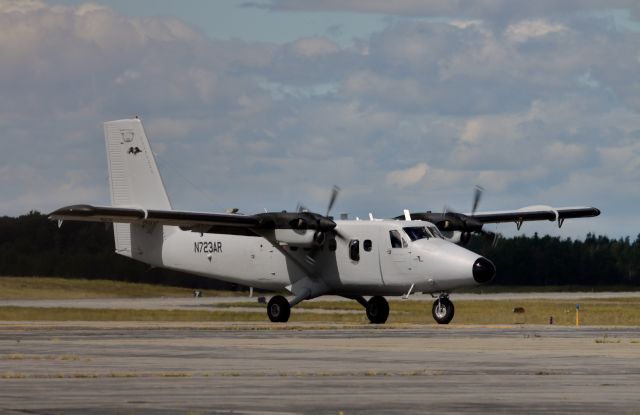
{"x": 476, "y": 198}
{"x": 334, "y": 196}
{"x": 496, "y": 238}
{"x": 311, "y": 257}
{"x": 342, "y": 236}
{"x": 490, "y": 236}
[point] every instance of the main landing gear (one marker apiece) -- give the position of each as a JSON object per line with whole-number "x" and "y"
{"x": 377, "y": 308}
{"x": 278, "y": 309}
{"x": 443, "y": 310}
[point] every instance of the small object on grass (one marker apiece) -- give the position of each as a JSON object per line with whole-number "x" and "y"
{"x": 519, "y": 317}
{"x": 550, "y": 319}
{"x": 262, "y": 300}
{"x": 197, "y": 293}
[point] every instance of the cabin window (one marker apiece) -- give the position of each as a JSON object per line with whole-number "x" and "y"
{"x": 354, "y": 250}
{"x": 332, "y": 245}
{"x": 367, "y": 245}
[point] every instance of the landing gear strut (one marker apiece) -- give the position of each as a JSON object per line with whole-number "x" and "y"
{"x": 278, "y": 309}
{"x": 443, "y": 310}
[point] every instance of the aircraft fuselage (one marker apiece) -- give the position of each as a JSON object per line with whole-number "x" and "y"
{"x": 372, "y": 267}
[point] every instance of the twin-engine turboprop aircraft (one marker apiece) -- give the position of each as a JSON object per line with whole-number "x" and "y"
{"x": 306, "y": 253}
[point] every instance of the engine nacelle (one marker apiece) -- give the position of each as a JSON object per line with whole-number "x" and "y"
{"x": 296, "y": 237}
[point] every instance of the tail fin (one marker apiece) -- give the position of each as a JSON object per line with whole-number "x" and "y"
{"x": 134, "y": 180}
{"x": 133, "y": 175}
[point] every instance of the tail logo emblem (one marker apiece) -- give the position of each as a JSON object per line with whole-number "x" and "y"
{"x": 127, "y": 136}
{"x": 133, "y": 150}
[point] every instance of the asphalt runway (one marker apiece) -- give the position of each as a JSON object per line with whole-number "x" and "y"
{"x": 172, "y": 368}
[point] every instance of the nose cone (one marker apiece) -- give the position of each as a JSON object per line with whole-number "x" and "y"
{"x": 483, "y": 270}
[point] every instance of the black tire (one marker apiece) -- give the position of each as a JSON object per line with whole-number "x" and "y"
{"x": 377, "y": 310}
{"x": 443, "y": 310}
{"x": 278, "y": 309}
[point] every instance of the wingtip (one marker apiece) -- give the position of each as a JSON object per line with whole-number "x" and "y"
{"x": 72, "y": 209}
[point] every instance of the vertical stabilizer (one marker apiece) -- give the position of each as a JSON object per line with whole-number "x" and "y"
{"x": 133, "y": 174}
{"x": 134, "y": 180}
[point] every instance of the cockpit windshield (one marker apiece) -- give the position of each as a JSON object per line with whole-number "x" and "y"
{"x": 421, "y": 232}
{"x": 436, "y": 232}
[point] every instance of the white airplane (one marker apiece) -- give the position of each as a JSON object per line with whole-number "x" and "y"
{"x": 308, "y": 254}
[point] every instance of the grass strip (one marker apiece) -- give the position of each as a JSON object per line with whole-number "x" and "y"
{"x": 48, "y": 288}
{"x": 600, "y": 312}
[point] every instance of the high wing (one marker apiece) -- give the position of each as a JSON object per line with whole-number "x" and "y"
{"x": 233, "y": 224}
{"x": 472, "y": 222}
{"x": 534, "y": 213}
{"x": 184, "y": 219}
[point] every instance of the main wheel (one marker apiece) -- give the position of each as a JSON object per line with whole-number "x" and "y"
{"x": 278, "y": 309}
{"x": 377, "y": 310}
{"x": 443, "y": 310}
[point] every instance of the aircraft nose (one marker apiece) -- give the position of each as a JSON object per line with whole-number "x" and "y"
{"x": 483, "y": 270}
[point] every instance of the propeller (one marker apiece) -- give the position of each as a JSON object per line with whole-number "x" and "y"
{"x": 320, "y": 235}
{"x": 487, "y": 235}
{"x": 467, "y": 224}
{"x": 334, "y": 195}
{"x": 476, "y": 198}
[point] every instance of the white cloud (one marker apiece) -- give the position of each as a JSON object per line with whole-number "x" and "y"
{"x": 559, "y": 154}
{"x": 407, "y": 177}
{"x": 21, "y": 6}
{"x": 412, "y": 116}
{"x": 314, "y": 46}
{"x": 531, "y": 29}
{"x": 498, "y": 10}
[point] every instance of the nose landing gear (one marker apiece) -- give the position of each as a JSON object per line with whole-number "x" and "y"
{"x": 443, "y": 309}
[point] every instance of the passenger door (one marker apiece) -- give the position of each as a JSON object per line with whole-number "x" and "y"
{"x": 395, "y": 256}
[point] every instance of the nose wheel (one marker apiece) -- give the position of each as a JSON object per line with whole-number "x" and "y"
{"x": 443, "y": 310}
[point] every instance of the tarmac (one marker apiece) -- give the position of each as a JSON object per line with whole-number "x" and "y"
{"x": 249, "y": 368}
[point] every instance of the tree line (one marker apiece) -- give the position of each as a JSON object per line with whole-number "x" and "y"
{"x": 31, "y": 245}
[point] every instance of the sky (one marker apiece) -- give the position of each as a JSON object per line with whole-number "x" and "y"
{"x": 266, "y": 104}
